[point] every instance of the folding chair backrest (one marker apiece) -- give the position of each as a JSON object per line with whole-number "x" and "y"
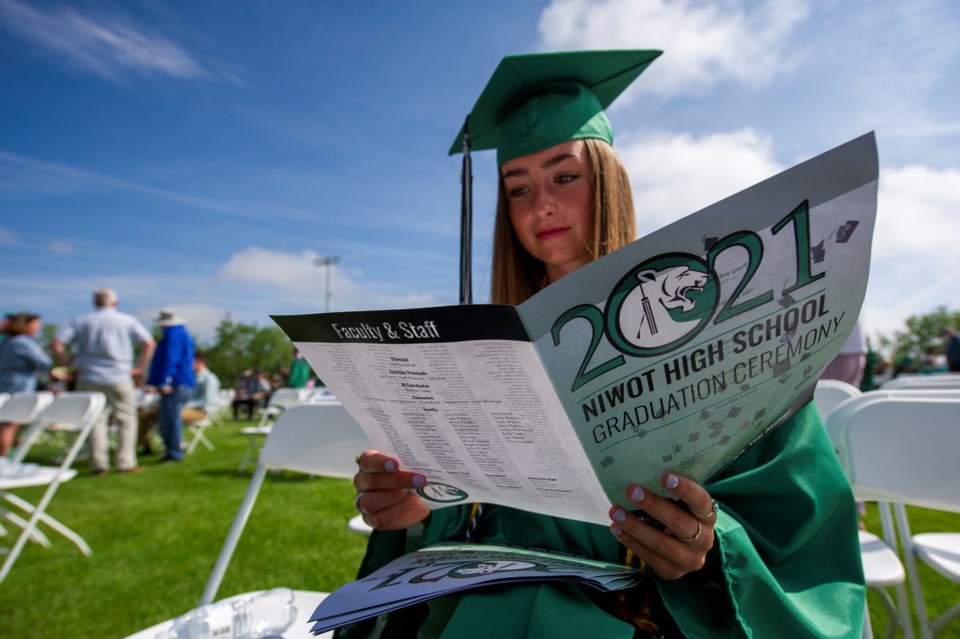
{"x": 901, "y": 447}
{"x": 940, "y": 381}
{"x": 321, "y": 396}
{"x": 73, "y": 408}
{"x": 72, "y": 411}
{"x": 830, "y": 393}
{"x": 316, "y": 439}
{"x": 286, "y": 397}
{"x": 23, "y": 408}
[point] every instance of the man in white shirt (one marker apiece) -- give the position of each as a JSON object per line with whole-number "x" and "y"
{"x": 102, "y": 344}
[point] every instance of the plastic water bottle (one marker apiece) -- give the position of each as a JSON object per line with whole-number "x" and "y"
{"x": 259, "y": 616}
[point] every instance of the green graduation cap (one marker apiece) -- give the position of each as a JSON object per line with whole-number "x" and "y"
{"x": 535, "y": 101}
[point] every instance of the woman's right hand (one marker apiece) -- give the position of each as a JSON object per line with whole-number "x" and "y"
{"x": 386, "y": 495}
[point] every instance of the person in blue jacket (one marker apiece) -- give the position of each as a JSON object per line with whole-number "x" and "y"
{"x": 171, "y": 373}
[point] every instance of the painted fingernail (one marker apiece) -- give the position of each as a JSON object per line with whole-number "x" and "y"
{"x": 616, "y": 530}
{"x": 619, "y": 515}
{"x": 672, "y": 481}
{"x": 637, "y": 494}
{"x": 419, "y": 481}
{"x": 390, "y": 466}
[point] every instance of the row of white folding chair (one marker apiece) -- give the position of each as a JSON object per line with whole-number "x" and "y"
{"x": 73, "y": 409}
{"x": 318, "y": 439}
{"x": 899, "y": 448}
{"x": 882, "y": 568}
{"x": 939, "y": 381}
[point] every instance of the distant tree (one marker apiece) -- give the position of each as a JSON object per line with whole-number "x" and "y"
{"x": 237, "y": 346}
{"x": 909, "y": 347}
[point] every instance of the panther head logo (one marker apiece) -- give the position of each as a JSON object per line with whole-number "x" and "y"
{"x": 663, "y": 305}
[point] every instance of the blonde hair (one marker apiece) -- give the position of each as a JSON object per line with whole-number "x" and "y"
{"x": 516, "y": 275}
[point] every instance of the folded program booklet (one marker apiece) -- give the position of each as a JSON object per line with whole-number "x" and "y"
{"x": 674, "y": 353}
{"x": 441, "y": 570}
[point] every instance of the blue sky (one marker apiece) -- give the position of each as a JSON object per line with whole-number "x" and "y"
{"x": 200, "y": 155}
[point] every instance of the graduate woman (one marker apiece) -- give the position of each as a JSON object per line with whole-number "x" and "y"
{"x": 767, "y": 549}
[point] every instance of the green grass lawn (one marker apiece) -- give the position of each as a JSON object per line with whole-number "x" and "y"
{"x": 155, "y": 536}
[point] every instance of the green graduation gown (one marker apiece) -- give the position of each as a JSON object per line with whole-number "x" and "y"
{"x": 786, "y": 561}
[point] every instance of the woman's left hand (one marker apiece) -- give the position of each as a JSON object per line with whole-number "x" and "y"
{"x": 680, "y": 548}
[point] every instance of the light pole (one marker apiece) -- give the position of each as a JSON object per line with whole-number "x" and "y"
{"x": 328, "y": 262}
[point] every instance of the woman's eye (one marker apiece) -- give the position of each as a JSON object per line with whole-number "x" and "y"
{"x": 517, "y": 191}
{"x": 566, "y": 177}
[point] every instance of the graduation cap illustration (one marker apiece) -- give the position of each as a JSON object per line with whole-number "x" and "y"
{"x": 535, "y": 101}
{"x": 846, "y": 230}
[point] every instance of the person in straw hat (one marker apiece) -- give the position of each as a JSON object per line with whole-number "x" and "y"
{"x": 171, "y": 373}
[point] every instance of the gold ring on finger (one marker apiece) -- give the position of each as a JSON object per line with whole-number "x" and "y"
{"x": 714, "y": 509}
{"x": 694, "y": 536}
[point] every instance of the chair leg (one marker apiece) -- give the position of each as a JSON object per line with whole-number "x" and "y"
{"x": 945, "y": 619}
{"x": 251, "y": 445}
{"x": 233, "y": 535}
{"x": 18, "y": 521}
{"x": 867, "y": 628}
{"x": 27, "y": 507}
{"x": 913, "y": 575}
{"x": 199, "y": 438}
{"x": 901, "y": 612}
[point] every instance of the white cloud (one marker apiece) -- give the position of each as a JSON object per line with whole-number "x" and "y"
{"x": 296, "y": 284}
{"x": 914, "y": 261}
{"x": 705, "y": 43}
{"x": 104, "y": 45}
{"x": 201, "y": 320}
{"x": 917, "y": 215}
{"x": 675, "y": 174}
{"x": 255, "y": 265}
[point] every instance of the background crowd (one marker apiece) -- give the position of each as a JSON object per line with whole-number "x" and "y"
{"x": 155, "y": 378}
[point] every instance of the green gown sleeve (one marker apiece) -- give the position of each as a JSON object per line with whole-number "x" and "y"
{"x": 787, "y": 550}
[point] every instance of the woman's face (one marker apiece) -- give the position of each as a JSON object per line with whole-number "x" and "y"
{"x": 33, "y": 327}
{"x": 550, "y": 199}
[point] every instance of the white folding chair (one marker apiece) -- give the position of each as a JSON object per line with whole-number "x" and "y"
{"x": 281, "y": 400}
{"x": 900, "y": 447}
{"x": 198, "y": 429}
{"x": 23, "y": 409}
{"x": 939, "y": 381}
{"x": 882, "y": 568}
{"x": 70, "y": 408}
{"x": 315, "y": 439}
{"x": 830, "y": 393}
